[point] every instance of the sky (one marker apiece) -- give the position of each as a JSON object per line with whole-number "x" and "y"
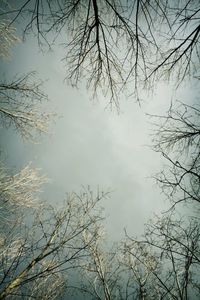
{"x": 89, "y": 144}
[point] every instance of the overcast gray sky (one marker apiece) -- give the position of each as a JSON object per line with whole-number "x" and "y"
{"x": 91, "y": 145}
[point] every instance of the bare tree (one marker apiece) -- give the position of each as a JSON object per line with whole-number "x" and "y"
{"x": 167, "y": 258}
{"x": 178, "y": 130}
{"x": 20, "y": 108}
{"x": 118, "y": 44}
{"x": 105, "y": 273}
{"x": 166, "y": 262}
{"x": 138, "y": 265}
{"x": 21, "y": 97}
{"x": 48, "y": 247}
{"x": 54, "y": 243}
{"x": 177, "y": 138}
{"x": 100, "y": 272}
{"x": 20, "y": 189}
{"x": 8, "y": 39}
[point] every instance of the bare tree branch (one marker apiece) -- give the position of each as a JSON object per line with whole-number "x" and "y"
{"x": 18, "y": 101}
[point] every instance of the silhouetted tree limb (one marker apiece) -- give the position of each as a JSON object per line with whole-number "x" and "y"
{"x": 177, "y": 138}
{"x": 18, "y": 101}
{"x": 115, "y": 44}
{"x": 8, "y": 39}
{"x": 48, "y": 247}
{"x": 167, "y": 258}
